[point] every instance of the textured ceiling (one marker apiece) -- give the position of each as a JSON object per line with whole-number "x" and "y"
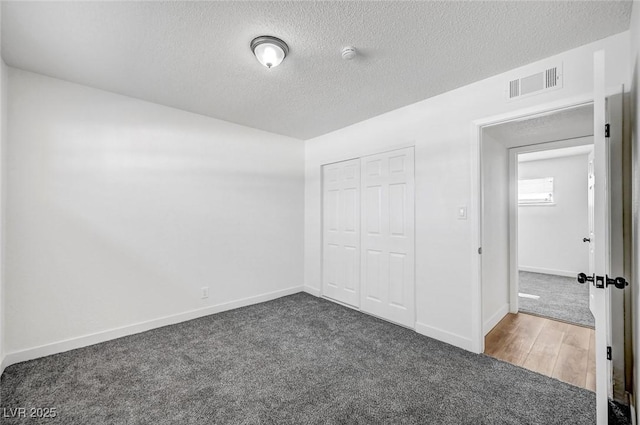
{"x": 562, "y": 125}
{"x": 195, "y": 55}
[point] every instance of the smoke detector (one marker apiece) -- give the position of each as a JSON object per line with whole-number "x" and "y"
{"x": 349, "y": 53}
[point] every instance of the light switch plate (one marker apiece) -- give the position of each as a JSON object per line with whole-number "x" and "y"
{"x": 462, "y": 213}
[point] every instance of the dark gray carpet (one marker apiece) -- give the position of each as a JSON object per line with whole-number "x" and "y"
{"x": 561, "y": 298}
{"x": 296, "y": 360}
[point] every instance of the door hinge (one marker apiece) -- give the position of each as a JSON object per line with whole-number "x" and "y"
{"x": 608, "y": 353}
{"x": 607, "y": 130}
{"x": 480, "y": 250}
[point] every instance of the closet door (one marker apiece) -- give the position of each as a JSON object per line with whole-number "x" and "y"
{"x": 341, "y": 232}
{"x": 388, "y": 236}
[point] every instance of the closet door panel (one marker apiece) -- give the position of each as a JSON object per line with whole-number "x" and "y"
{"x": 388, "y": 276}
{"x": 341, "y": 232}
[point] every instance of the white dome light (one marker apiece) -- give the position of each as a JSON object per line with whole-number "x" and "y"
{"x": 270, "y": 51}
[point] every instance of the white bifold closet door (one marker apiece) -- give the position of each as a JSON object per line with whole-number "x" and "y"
{"x": 387, "y": 214}
{"x": 341, "y": 232}
{"x": 368, "y": 234}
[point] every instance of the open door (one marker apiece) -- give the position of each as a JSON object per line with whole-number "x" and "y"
{"x": 591, "y": 214}
{"x": 599, "y": 278}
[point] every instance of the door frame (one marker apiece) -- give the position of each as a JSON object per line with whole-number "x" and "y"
{"x": 476, "y": 192}
{"x": 514, "y": 280}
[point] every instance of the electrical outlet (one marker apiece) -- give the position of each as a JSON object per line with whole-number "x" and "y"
{"x": 205, "y": 292}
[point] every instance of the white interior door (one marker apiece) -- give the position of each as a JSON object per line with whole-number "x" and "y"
{"x": 388, "y": 236}
{"x": 599, "y": 290}
{"x": 591, "y": 213}
{"x": 341, "y": 232}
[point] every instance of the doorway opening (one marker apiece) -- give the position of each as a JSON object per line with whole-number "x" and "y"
{"x": 555, "y": 231}
{"x": 611, "y": 231}
{"x": 535, "y": 314}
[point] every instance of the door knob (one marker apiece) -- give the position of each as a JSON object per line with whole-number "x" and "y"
{"x": 586, "y": 239}
{"x": 583, "y": 278}
{"x": 618, "y": 282}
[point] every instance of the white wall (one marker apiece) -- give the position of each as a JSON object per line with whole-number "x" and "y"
{"x": 634, "y": 66}
{"x": 119, "y": 211}
{"x": 440, "y": 128}
{"x": 550, "y": 237}
{"x": 495, "y": 234}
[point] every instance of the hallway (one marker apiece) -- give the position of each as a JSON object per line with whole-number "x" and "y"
{"x": 560, "y": 350}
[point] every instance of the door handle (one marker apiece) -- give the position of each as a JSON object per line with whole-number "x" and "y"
{"x": 582, "y": 278}
{"x": 586, "y": 239}
{"x": 619, "y": 282}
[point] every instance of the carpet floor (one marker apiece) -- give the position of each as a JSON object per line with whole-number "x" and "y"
{"x": 294, "y": 360}
{"x": 561, "y": 298}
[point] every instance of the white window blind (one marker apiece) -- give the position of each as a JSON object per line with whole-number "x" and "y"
{"x": 535, "y": 191}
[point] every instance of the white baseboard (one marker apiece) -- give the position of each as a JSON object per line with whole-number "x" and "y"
{"x": 3, "y": 365}
{"x": 444, "y": 336}
{"x": 98, "y": 337}
{"x": 312, "y": 291}
{"x": 492, "y": 321}
{"x": 567, "y": 273}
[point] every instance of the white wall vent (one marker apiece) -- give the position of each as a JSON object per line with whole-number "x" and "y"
{"x": 540, "y": 82}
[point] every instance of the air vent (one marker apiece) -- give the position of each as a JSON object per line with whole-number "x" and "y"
{"x": 514, "y": 89}
{"x": 540, "y": 82}
{"x": 551, "y": 77}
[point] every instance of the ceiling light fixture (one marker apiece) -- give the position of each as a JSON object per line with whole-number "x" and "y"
{"x": 270, "y": 51}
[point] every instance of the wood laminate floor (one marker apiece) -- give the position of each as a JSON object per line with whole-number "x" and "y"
{"x": 557, "y": 349}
